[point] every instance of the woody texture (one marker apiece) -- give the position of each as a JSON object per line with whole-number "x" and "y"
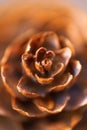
{"x": 43, "y": 69}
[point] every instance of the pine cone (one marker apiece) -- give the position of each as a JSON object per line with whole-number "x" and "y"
{"x": 40, "y": 73}
{"x": 49, "y": 68}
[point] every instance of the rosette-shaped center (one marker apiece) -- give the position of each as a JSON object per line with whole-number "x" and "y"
{"x": 42, "y": 62}
{"x": 45, "y": 59}
{"x": 39, "y": 72}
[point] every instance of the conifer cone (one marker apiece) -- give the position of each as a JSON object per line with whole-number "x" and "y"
{"x": 43, "y": 72}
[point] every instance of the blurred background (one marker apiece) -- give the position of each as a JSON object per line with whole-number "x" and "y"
{"x": 17, "y": 16}
{"x": 80, "y": 3}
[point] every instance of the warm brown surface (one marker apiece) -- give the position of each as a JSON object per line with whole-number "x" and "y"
{"x": 25, "y": 21}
